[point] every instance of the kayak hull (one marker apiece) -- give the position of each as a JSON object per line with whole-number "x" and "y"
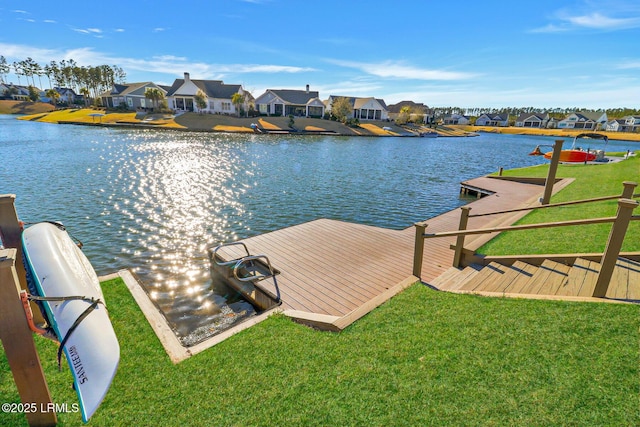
{"x": 58, "y": 268}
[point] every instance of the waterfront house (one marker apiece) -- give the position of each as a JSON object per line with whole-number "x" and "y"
{"x": 67, "y": 96}
{"x": 418, "y": 111}
{"x": 286, "y": 102}
{"x": 615, "y": 125}
{"x": 181, "y": 96}
{"x": 584, "y": 120}
{"x": 455, "y": 119}
{"x": 131, "y": 95}
{"x": 14, "y": 92}
{"x": 493, "y": 119}
{"x": 363, "y": 108}
{"x": 631, "y": 124}
{"x": 532, "y": 120}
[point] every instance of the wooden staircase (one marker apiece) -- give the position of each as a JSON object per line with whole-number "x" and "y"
{"x": 548, "y": 280}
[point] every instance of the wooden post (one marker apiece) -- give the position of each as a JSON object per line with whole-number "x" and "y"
{"x": 614, "y": 244}
{"x": 20, "y": 347}
{"x": 12, "y": 238}
{"x": 418, "y": 250}
{"x": 500, "y": 171}
{"x": 551, "y": 175}
{"x": 627, "y": 192}
{"x": 464, "y": 219}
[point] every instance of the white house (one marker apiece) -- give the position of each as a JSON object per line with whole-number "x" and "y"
{"x": 182, "y": 96}
{"x": 456, "y": 119}
{"x": 363, "y": 108}
{"x": 493, "y": 119}
{"x": 532, "y": 120}
{"x": 286, "y": 102}
{"x": 584, "y": 120}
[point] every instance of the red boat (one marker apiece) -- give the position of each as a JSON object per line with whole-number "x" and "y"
{"x": 577, "y": 154}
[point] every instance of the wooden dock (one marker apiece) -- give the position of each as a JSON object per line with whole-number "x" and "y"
{"x": 334, "y": 272}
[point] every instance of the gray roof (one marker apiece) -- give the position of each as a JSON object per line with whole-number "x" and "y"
{"x": 296, "y": 97}
{"x": 212, "y": 88}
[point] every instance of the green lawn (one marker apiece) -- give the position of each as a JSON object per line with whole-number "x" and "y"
{"x": 591, "y": 181}
{"x": 423, "y": 358}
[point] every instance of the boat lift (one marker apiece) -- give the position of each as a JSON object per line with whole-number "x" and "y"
{"x": 245, "y": 272}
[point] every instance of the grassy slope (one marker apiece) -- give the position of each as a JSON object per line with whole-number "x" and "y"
{"x": 564, "y": 133}
{"x": 23, "y": 107}
{"x": 591, "y": 181}
{"x": 423, "y": 358}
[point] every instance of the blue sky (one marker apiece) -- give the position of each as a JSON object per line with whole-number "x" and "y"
{"x": 490, "y": 53}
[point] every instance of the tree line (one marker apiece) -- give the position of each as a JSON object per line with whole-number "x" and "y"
{"x": 90, "y": 81}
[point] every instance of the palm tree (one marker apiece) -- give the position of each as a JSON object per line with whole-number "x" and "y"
{"x": 53, "y": 96}
{"x": 237, "y": 100}
{"x": 85, "y": 93}
{"x": 155, "y": 95}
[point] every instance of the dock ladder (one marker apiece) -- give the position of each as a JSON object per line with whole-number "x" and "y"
{"x": 247, "y": 268}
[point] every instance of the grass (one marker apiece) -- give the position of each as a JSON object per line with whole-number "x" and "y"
{"x": 423, "y": 358}
{"x": 591, "y": 181}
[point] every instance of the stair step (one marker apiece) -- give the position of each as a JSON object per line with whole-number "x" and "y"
{"x": 465, "y": 275}
{"x": 441, "y": 281}
{"x": 625, "y": 281}
{"x": 525, "y": 273}
{"x": 490, "y": 273}
{"x": 548, "y": 279}
{"x": 512, "y": 272}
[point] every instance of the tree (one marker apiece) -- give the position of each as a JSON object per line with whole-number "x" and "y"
{"x": 341, "y": 109}
{"x": 85, "y": 94}
{"x": 201, "y": 100}
{"x": 404, "y": 115}
{"x": 155, "y": 95}
{"x": 33, "y": 94}
{"x": 4, "y": 69}
{"x": 53, "y": 96}
{"x": 237, "y": 100}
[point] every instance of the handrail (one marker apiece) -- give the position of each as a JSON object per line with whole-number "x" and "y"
{"x": 525, "y": 227}
{"x": 232, "y": 261}
{"x": 258, "y": 277}
{"x": 614, "y": 243}
{"x": 554, "y": 205}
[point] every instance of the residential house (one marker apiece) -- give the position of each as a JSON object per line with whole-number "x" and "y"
{"x": 584, "y": 120}
{"x": 493, "y": 119}
{"x": 363, "y": 108}
{"x": 532, "y": 120}
{"x": 615, "y": 125}
{"x": 455, "y": 119}
{"x": 67, "y": 96}
{"x": 417, "y": 109}
{"x": 286, "y": 102}
{"x": 181, "y": 96}
{"x": 631, "y": 124}
{"x": 14, "y": 92}
{"x": 130, "y": 94}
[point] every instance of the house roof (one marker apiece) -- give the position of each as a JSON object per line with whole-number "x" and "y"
{"x": 395, "y": 108}
{"x": 211, "y": 88}
{"x": 589, "y": 115}
{"x": 297, "y": 97}
{"x": 357, "y": 103}
{"x": 524, "y": 116}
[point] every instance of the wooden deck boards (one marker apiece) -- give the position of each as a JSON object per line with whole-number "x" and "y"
{"x": 333, "y": 268}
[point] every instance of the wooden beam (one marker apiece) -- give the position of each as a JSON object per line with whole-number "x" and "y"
{"x": 20, "y": 347}
{"x": 553, "y": 168}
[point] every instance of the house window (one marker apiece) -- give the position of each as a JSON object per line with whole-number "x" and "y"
{"x": 226, "y": 106}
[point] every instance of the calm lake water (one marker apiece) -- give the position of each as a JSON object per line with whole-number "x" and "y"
{"x": 152, "y": 201}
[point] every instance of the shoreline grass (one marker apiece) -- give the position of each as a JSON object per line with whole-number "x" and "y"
{"x": 591, "y": 181}
{"x": 423, "y": 358}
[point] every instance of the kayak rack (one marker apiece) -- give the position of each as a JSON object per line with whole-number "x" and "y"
{"x": 247, "y": 267}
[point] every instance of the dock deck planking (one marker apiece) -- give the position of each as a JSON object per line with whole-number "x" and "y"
{"x": 334, "y": 268}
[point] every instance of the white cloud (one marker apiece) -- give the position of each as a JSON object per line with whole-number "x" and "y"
{"x": 398, "y": 70}
{"x": 598, "y": 21}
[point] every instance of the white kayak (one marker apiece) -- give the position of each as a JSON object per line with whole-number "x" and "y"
{"x": 57, "y": 268}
